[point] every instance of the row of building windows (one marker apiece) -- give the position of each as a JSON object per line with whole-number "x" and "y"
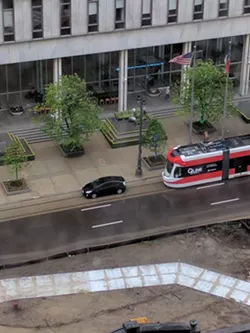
{"x": 147, "y": 68}
{"x": 93, "y": 14}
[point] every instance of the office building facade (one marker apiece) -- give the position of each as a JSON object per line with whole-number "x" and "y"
{"x": 117, "y": 46}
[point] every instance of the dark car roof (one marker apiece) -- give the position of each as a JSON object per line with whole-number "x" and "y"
{"x": 97, "y": 182}
{"x": 111, "y": 178}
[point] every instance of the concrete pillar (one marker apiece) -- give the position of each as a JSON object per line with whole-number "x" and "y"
{"x": 106, "y": 10}
{"x": 51, "y": 18}
{"x": 244, "y": 78}
{"x": 123, "y": 80}
{"x": 57, "y": 69}
{"x": 23, "y": 20}
{"x": 79, "y": 17}
{"x": 1, "y": 25}
{"x": 187, "y": 47}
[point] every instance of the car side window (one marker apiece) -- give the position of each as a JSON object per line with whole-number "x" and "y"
{"x": 100, "y": 187}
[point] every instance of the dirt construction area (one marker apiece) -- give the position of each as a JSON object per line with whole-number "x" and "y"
{"x": 225, "y": 249}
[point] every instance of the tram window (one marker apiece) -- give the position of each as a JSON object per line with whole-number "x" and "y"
{"x": 212, "y": 167}
{"x": 245, "y": 160}
{"x": 169, "y": 166}
{"x": 177, "y": 172}
{"x": 201, "y": 168}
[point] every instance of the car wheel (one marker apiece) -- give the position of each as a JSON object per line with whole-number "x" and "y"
{"x": 93, "y": 196}
{"x": 119, "y": 191}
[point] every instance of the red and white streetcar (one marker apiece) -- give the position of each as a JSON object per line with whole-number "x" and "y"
{"x": 207, "y": 162}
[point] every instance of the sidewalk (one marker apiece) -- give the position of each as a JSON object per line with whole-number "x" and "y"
{"x": 119, "y": 278}
{"x": 51, "y": 175}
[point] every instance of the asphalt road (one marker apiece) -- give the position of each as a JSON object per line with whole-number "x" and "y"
{"x": 45, "y": 235}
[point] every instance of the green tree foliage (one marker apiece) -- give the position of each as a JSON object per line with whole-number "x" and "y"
{"x": 209, "y": 92}
{"x": 14, "y": 157}
{"x": 73, "y": 115}
{"x": 155, "y": 137}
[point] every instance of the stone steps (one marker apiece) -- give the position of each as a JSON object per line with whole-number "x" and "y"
{"x": 36, "y": 135}
{"x": 32, "y": 135}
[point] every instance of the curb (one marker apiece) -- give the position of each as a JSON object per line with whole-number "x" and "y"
{"x": 71, "y": 195}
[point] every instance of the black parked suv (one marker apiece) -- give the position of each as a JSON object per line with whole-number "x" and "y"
{"x": 104, "y": 186}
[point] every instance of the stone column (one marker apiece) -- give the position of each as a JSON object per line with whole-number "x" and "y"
{"x": 57, "y": 69}
{"x": 245, "y": 69}
{"x": 125, "y": 81}
{"x": 123, "y": 68}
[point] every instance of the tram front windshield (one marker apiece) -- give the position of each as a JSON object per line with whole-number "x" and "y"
{"x": 169, "y": 167}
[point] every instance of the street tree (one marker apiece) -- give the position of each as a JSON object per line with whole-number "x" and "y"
{"x": 72, "y": 113}
{"x": 209, "y": 92}
{"x": 155, "y": 137}
{"x": 15, "y": 157}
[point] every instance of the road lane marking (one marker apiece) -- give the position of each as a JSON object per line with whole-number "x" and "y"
{"x": 222, "y": 202}
{"x": 207, "y": 186}
{"x": 96, "y": 207}
{"x": 106, "y": 224}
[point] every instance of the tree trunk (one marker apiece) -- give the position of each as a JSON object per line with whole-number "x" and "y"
{"x": 155, "y": 152}
{"x": 202, "y": 120}
{"x": 16, "y": 173}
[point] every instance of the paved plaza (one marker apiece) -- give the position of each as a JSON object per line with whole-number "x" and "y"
{"x": 126, "y": 278}
{"x": 51, "y": 174}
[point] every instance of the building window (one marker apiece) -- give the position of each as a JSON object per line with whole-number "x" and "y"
{"x": 8, "y": 21}
{"x": 198, "y": 9}
{"x": 246, "y": 6}
{"x": 146, "y": 13}
{"x": 93, "y": 15}
{"x": 223, "y": 8}
{"x": 65, "y": 17}
{"x": 119, "y": 14}
{"x": 37, "y": 19}
{"x": 172, "y": 11}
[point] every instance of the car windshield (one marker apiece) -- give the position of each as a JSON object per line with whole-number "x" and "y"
{"x": 98, "y": 182}
{"x": 169, "y": 166}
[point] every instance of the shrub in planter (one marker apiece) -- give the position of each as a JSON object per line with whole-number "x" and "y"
{"x": 155, "y": 139}
{"x": 72, "y": 149}
{"x": 72, "y": 115}
{"x": 200, "y": 128}
{"x": 122, "y": 115}
{"x": 208, "y": 92}
{"x": 15, "y": 158}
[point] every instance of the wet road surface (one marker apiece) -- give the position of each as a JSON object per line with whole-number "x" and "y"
{"x": 45, "y": 235}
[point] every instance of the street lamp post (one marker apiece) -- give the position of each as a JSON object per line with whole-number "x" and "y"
{"x": 138, "y": 171}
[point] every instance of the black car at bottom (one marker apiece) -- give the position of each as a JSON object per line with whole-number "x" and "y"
{"x": 104, "y": 186}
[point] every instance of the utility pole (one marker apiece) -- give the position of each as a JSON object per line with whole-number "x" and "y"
{"x": 226, "y": 91}
{"x": 138, "y": 171}
{"x": 192, "y": 99}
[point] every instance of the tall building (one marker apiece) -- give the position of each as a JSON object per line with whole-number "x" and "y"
{"x": 118, "y": 46}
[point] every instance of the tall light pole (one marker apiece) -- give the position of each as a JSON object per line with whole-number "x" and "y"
{"x": 192, "y": 97}
{"x": 226, "y": 92}
{"x": 138, "y": 171}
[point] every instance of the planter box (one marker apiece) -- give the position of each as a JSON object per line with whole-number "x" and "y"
{"x": 156, "y": 93}
{"x": 123, "y": 115}
{"x": 10, "y": 189}
{"x": 153, "y": 163}
{"x": 71, "y": 154}
{"x": 244, "y": 117}
{"x": 18, "y": 111}
{"x": 201, "y": 128}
